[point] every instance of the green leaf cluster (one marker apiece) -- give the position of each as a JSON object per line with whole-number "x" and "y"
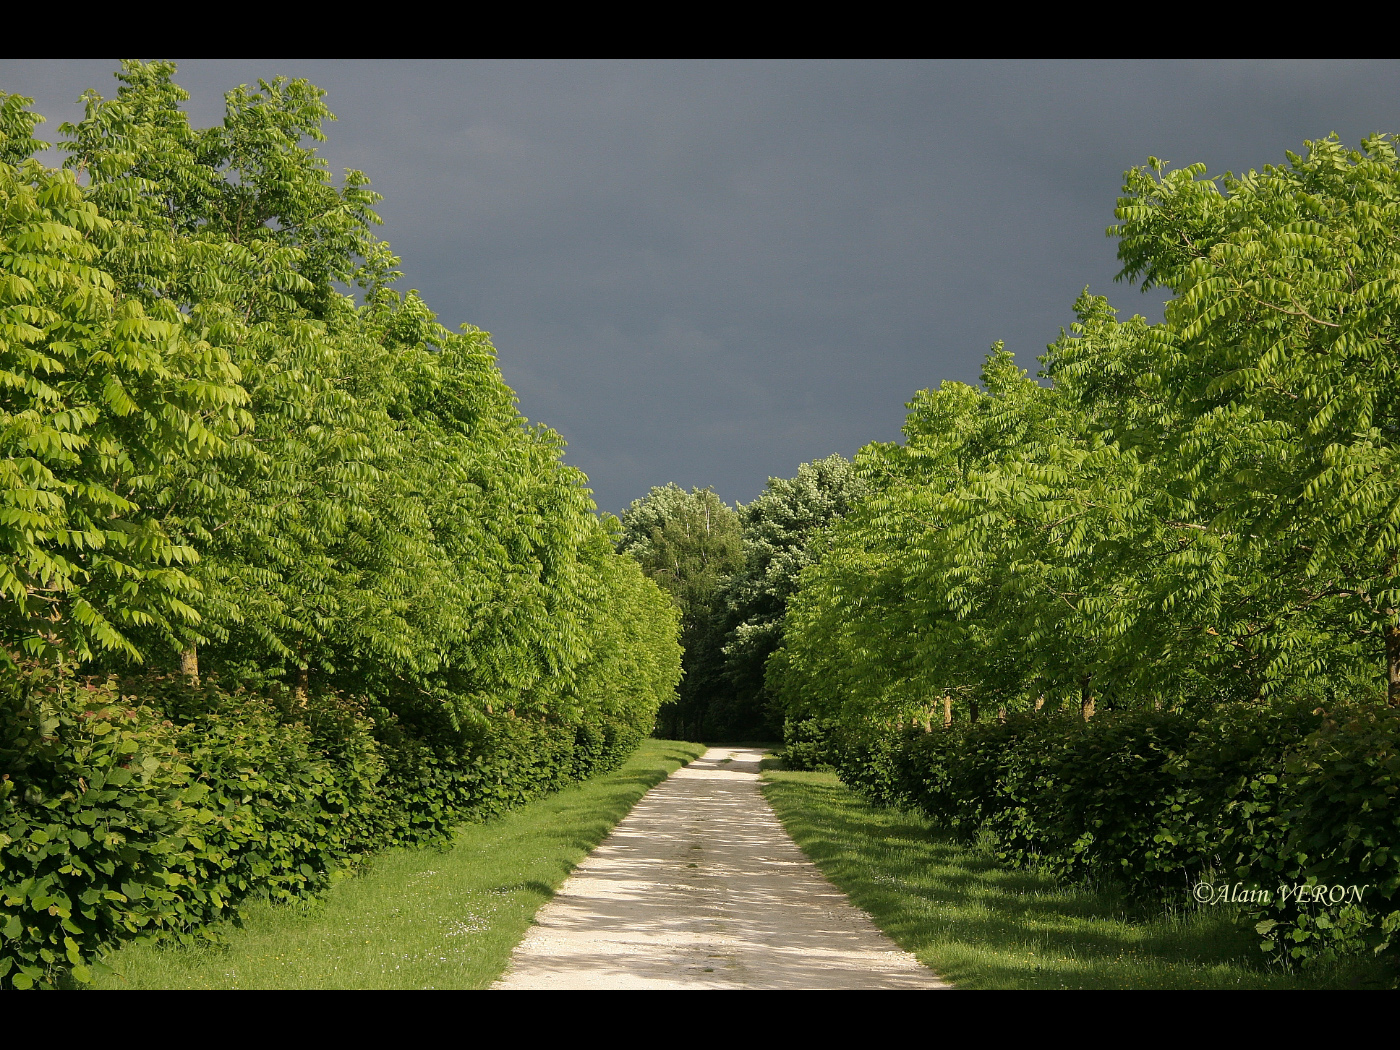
{"x": 214, "y": 450}
{"x": 732, "y": 573}
{"x": 101, "y": 395}
{"x": 783, "y": 533}
{"x": 152, "y": 809}
{"x": 690, "y": 544}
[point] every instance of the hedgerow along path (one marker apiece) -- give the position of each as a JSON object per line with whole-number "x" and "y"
{"x": 417, "y": 918}
{"x": 701, "y": 887}
{"x": 982, "y": 924}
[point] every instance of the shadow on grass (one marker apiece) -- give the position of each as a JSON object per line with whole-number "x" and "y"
{"x": 982, "y": 925}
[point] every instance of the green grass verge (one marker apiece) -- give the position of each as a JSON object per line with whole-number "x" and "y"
{"x": 416, "y": 918}
{"x": 981, "y": 925}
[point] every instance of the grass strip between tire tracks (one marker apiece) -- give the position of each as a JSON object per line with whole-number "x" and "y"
{"x": 417, "y": 918}
{"x": 979, "y": 924}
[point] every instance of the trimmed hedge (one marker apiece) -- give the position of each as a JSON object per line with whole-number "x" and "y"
{"x": 125, "y": 818}
{"x": 1161, "y": 801}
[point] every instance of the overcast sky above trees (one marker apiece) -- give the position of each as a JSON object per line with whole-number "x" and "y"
{"x": 709, "y": 272}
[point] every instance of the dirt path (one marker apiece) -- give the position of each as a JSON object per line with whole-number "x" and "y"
{"x": 700, "y": 887}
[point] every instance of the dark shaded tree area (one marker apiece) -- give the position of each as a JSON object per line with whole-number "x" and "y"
{"x": 690, "y": 544}
{"x": 731, "y": 572}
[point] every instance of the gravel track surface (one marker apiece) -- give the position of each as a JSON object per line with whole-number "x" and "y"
{"x": 700, "y": 887}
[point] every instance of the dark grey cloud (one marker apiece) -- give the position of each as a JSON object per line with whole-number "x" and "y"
{"x": 709, "y": 272}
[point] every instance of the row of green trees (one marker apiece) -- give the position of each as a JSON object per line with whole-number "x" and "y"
{"x": 250, "y": 491}
{"x": 1141, "y": 619}
{"x": 1198, "y": 511}
{"x": 211, "y": 450}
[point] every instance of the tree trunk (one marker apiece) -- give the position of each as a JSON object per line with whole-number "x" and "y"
{"x": 303, "y": 686}
{"x": 1040, "y": 701}
{"x": 189, "y": 665}
{"x": 1392, "y": 665}
{"x": 972, "y": 710}
{"x": 1001, "y": 714}
{"x": 1086, "y": 699}
{"x": 947, "y": 710}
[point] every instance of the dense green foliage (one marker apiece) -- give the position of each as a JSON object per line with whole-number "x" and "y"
{"x": 449, "y": 918}
{"x": 732, "y": 573}
{"x": 1159, "y": 801}
{"x": 217, "y": 462}
{"x": 690, "y": 543}
{"x": 1193, "y": 519}
{"x": 100, "y": 394}
{"x": 782, "y": 533}
{"x": 122, "y": 819}
{"x": 1195, "y": 510}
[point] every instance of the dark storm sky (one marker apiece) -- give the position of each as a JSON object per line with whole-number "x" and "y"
{"x": 710, "y": 272}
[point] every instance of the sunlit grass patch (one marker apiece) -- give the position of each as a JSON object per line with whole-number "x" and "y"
{"x": 982, "y": 925}
{"x": 417, "y": 918}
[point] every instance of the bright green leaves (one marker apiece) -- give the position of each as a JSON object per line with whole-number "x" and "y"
{"x": 689, "y": 542}
{"x": 203, "y": 443}
{"x": 983, "y": 564}
{"x": 97, "y": 398}
{"x": 275, "y": 233}
{"x": 1278, "y": 371}
{"x": 1201, "y": 510}
{"x": 304, "y": 487}
{"x": 17, "y": 124}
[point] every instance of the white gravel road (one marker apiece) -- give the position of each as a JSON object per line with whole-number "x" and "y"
{"x": 700, "y": 887}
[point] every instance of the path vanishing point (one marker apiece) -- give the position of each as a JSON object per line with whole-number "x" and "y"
{"x": 700, "y": 887}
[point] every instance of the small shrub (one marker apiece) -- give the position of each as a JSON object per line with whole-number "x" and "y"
{"x": 1340, "y": 803}
{"x": 808, "y": 744}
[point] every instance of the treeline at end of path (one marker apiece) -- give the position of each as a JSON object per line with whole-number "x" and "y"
{"x": 1136, "y": 619}
{"x": 285, "y": 577}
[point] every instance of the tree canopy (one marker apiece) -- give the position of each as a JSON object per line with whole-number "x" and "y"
{"x": 230, "y": 441}
{"x": 1190, "y": 512}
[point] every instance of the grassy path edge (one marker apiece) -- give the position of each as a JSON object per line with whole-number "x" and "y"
{"x": 418, "y": 918}
{"x": 978, "y": 924}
